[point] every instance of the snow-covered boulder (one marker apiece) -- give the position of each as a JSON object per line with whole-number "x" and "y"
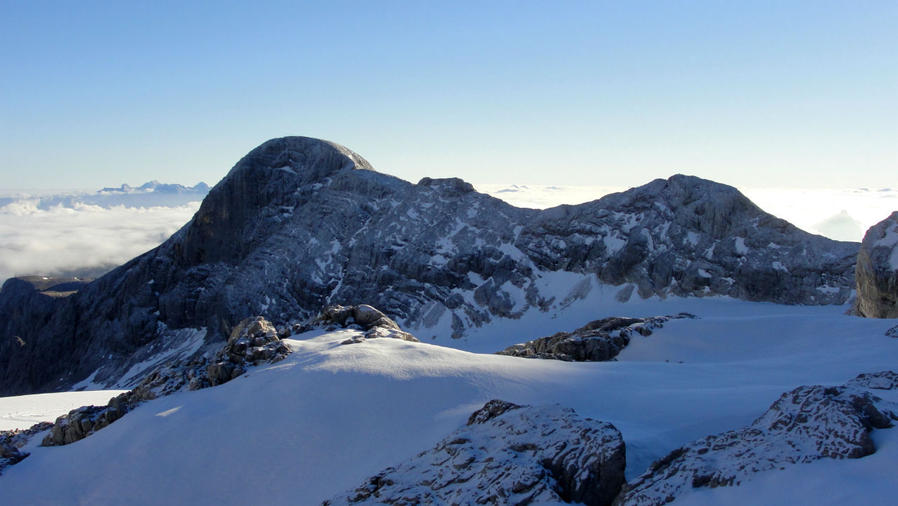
{"x": 508, "y": 454}
{"x": 877, "y": 270}
{"x": 596, "y": 341}
{"x": 253, "y": 341}
{"x": 364, "y": 317}
{"x": 807, "y": 424}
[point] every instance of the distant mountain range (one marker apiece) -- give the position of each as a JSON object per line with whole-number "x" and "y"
{"x": 149, "y": 194}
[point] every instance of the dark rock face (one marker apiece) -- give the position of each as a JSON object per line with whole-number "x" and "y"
{"x": 300, "y": 224}
{"x": 804, "y": 425}
{"x": 877, "y": 270}
{"x": 597, "y": 341}
{"x": 508, "y": 454}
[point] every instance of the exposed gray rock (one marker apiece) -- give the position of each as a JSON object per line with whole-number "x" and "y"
{"x": 892, "y": 332}
{"x": 254, "y": 340}
{"x": 299, "y": 224}
{"x": 804, "y": 425}
{"x": 364, "y": 317}
{"x": 877, "y": 270}
{"x": 883, "y": 380}
{"x": 508, "y": 454}
{"x": 12, "y": 441}
{"x": 597, "y": 341}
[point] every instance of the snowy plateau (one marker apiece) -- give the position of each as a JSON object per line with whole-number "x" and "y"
{"x": 762, "y": 386}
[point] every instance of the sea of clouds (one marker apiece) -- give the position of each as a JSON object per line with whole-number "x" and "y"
{"x": 86, "y": 234}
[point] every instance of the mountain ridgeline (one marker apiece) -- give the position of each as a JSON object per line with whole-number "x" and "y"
{"x": 301, "y": 223}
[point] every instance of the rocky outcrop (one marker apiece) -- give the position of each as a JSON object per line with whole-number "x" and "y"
{"x": 12, "y": 441}
{"x": 299, "y": 224}
{"x": 363, "y": 317}
{"x": 804, "y": 425}
{"x": 254, "y": 341}
{"x": 508, "y": 454}
{"x": 597, "y": 341}
{"x": 877, "y": 270}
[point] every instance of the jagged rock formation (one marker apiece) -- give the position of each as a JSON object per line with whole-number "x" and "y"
{"x": 364, "y": 317}
{"x": 877, "y": 270}
{"x": 804, "y": 425}
{"x": 253, "y": 341}
{"x": 508, "y": 454}
{"x": 12, "y": 441}
{"x": 596, "y": 341}
{"x": 299, "y": 224}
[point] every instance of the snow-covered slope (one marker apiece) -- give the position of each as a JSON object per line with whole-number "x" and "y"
{"x": 329, "y": 415}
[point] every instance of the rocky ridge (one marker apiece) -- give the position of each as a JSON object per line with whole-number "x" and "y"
{"x": 252, "y": 342}
{"x": 300, "y": 224}
{"x": 877, "y": 270}
{"x": 807, "y": 424}
{"x": 507, "y": 454}
{"x": 597, "y": 341}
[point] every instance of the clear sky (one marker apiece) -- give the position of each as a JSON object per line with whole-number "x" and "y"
{"x": 801, "y": 94}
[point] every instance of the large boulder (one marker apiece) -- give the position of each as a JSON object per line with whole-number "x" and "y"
{"x": 807, "y": 424}
{"x": 597, "y": 341}
{"x": 877, "y": 270}
{"x": 362, "y": 317}
{"x": 508, "y": 454}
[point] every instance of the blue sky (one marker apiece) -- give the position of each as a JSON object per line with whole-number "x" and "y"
{"x": 800, "y": 94}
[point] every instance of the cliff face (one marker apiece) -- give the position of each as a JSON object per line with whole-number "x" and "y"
{"x": 877, "y": 270}
{"x": 300, "y": 223}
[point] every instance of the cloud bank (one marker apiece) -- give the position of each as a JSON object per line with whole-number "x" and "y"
{"x": 82, "y": 237}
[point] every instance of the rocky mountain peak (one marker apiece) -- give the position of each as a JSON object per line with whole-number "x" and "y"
{"x": 266, "y": 180}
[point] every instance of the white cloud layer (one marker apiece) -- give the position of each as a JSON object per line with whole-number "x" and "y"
{"x": 83, "y": 236}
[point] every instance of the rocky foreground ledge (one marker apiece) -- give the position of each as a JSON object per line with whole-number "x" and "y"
{"x": 807, "y": 424}
{"x": 507, "y": 454}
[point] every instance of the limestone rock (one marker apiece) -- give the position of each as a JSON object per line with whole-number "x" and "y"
{"x": 807, "y": 424}
{"x": 508, "y": 454}
{"x": 877, "y": 270}
{"x": 364, "y": 317}
{"x": 597, "y": 341}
